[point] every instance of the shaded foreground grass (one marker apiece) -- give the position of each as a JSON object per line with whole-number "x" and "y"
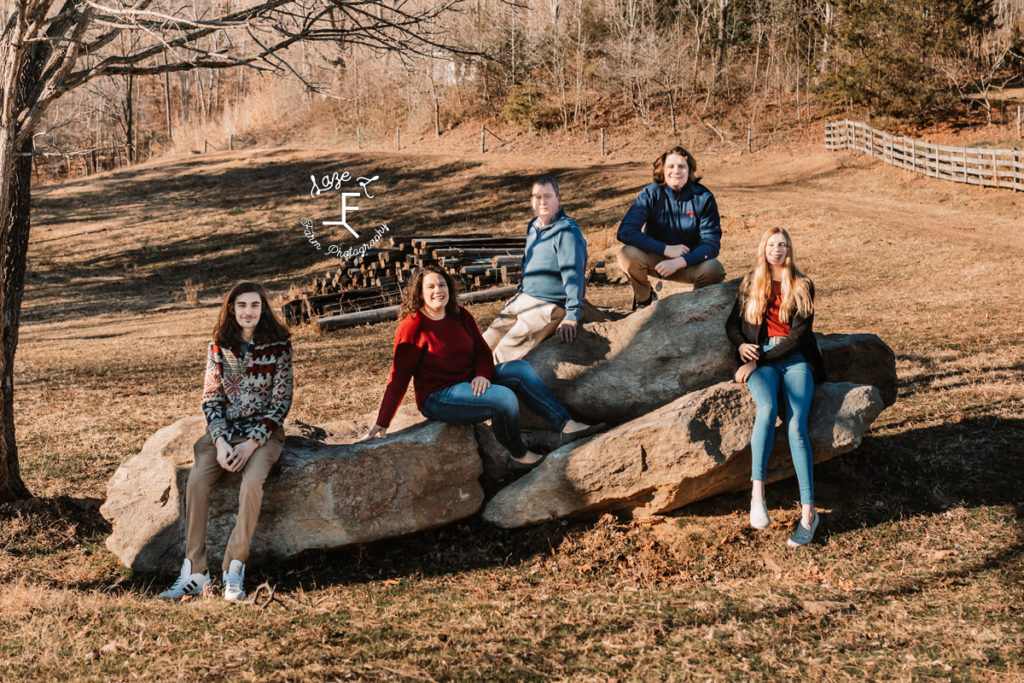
{"x": 917, "y": 573}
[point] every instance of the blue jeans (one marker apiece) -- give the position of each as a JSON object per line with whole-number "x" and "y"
{"x": 457, "y": 404}
{"x": 794, "y": 376}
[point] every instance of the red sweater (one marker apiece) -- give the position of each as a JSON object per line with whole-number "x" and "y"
{"x": 776, "y": 328}
{"x": 435, "y": 354}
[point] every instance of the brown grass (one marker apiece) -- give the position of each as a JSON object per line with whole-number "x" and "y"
{"x": 917, "y": 574}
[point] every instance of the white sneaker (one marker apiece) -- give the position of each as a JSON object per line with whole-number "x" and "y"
{"x": 234, "y": 577}
{"x": 759, "y": 515}
{"x": 187, "y": 583}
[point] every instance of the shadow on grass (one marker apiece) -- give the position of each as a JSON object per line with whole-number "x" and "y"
{"x": 137, "y": 271}
{"x": 972, "y": 463}
{"x": 919, "y": 472}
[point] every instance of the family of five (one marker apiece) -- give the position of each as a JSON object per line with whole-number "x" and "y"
{"x": 462, "y": 376}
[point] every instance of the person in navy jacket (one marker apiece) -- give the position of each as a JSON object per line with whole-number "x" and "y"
{"x": 672, "y": 230}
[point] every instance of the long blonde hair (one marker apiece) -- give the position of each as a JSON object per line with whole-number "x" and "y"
{"x": 756, "y": 287}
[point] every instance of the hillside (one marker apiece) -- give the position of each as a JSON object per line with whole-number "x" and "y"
{"x": 918, "y": 573}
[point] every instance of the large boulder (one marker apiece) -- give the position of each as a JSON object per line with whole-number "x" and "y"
{"x": 622, "y": 369}
{"x": 860, "y": 359}
{"x": 320, "y": 495}
{"x": 693, "y": 448}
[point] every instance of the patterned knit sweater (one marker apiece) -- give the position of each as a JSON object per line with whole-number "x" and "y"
{"x": 247, "y": 395}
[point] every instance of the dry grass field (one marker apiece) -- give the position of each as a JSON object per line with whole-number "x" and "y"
{"x": 917, "y": 573}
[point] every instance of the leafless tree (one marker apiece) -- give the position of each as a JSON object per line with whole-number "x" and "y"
{"x": 51, "y": 47}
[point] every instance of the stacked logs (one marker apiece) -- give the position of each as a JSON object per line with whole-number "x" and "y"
{"x": 476, "y": 259}
{"x": 374, "y": 280}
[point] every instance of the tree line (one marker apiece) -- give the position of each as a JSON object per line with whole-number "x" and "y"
{"x": 575, "y": 64}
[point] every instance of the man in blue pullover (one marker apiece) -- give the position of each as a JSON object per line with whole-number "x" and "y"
{"x": 672, "y": 230}
{"x": 551, "y": 291}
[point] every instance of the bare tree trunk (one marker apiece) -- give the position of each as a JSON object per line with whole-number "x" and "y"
{"x": 167, "y": 97}
{"x": 14, "y": 229}
{"x": 672, "y": 108}
{"x": 129, "y": 119}
{"x": 18, "y": 71}
{"x": 721, "y": 48}
{"x": 437, "y": 105}
{"x": 579, "y": 63}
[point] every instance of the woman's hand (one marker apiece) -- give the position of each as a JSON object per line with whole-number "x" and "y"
{"x": 749, "y": 352}
{"x": 744, "y": 372}
{"x": 668, "y": 266}
{"x": 375, "y": 431}
{"x": 480, "y": 385}
{"x": 240, "y": 454}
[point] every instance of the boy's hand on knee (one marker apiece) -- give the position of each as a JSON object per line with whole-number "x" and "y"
{"x": 223, "y": 452}
{"x": 675, "y": 250}
{"x": 669, "y": 266}
{"x": 240, "y": 454}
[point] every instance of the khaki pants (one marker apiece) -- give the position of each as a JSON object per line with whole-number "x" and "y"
{"x": 638, "y": 266}
{"x": 205, "y": 472}
{"x": 524, "y": 322}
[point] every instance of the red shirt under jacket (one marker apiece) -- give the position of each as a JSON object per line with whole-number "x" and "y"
{"x": 435, "y": 354}
{"x": 776, "y": 328}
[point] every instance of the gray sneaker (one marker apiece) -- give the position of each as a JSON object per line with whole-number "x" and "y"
{"x": 803, "y": 535}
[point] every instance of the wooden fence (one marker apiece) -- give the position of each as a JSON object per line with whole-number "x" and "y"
{"x": 971, "y": 165}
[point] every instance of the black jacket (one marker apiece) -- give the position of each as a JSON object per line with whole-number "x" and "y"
{"x": 801, "y": 338}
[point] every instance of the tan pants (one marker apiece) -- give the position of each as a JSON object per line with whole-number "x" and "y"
{"x": 205, "y": 472}
{"x": 524, "y": 322}
{"x": 638, "y": 266}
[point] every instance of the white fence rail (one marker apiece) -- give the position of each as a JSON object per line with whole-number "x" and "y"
{"x": 971, "y": 165}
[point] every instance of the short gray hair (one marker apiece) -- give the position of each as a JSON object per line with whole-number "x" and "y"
{"x": 547, "y": 180}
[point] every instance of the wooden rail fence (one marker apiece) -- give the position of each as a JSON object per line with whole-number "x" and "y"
{"x": 971, "y": 165}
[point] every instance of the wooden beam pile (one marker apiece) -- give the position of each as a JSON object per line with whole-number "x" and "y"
{"x": 375, "y": 279}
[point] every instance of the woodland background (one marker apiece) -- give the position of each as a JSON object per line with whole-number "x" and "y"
{"x": 572, "y": 66}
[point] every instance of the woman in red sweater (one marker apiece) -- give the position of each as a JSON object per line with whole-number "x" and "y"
{"x": 439, "y": 347}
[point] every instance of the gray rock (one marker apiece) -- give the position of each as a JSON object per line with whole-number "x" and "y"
{"x": 320, "y": 495}
{"x": 619, "y": 370}
{"x": 860, "y": 359}
{"x": 691, "y": 449}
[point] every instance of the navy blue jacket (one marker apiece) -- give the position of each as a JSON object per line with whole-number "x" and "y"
{"x": 689, "y": 216}
{"x": 555, "y": 263}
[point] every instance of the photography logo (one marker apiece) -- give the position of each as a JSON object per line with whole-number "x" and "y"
{"x": 350, "y": 194}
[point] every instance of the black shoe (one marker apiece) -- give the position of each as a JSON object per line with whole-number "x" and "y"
{"x": 569, "y": 437}
{"x": 644, "y": 304}
{"x": 519, "y": 466}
